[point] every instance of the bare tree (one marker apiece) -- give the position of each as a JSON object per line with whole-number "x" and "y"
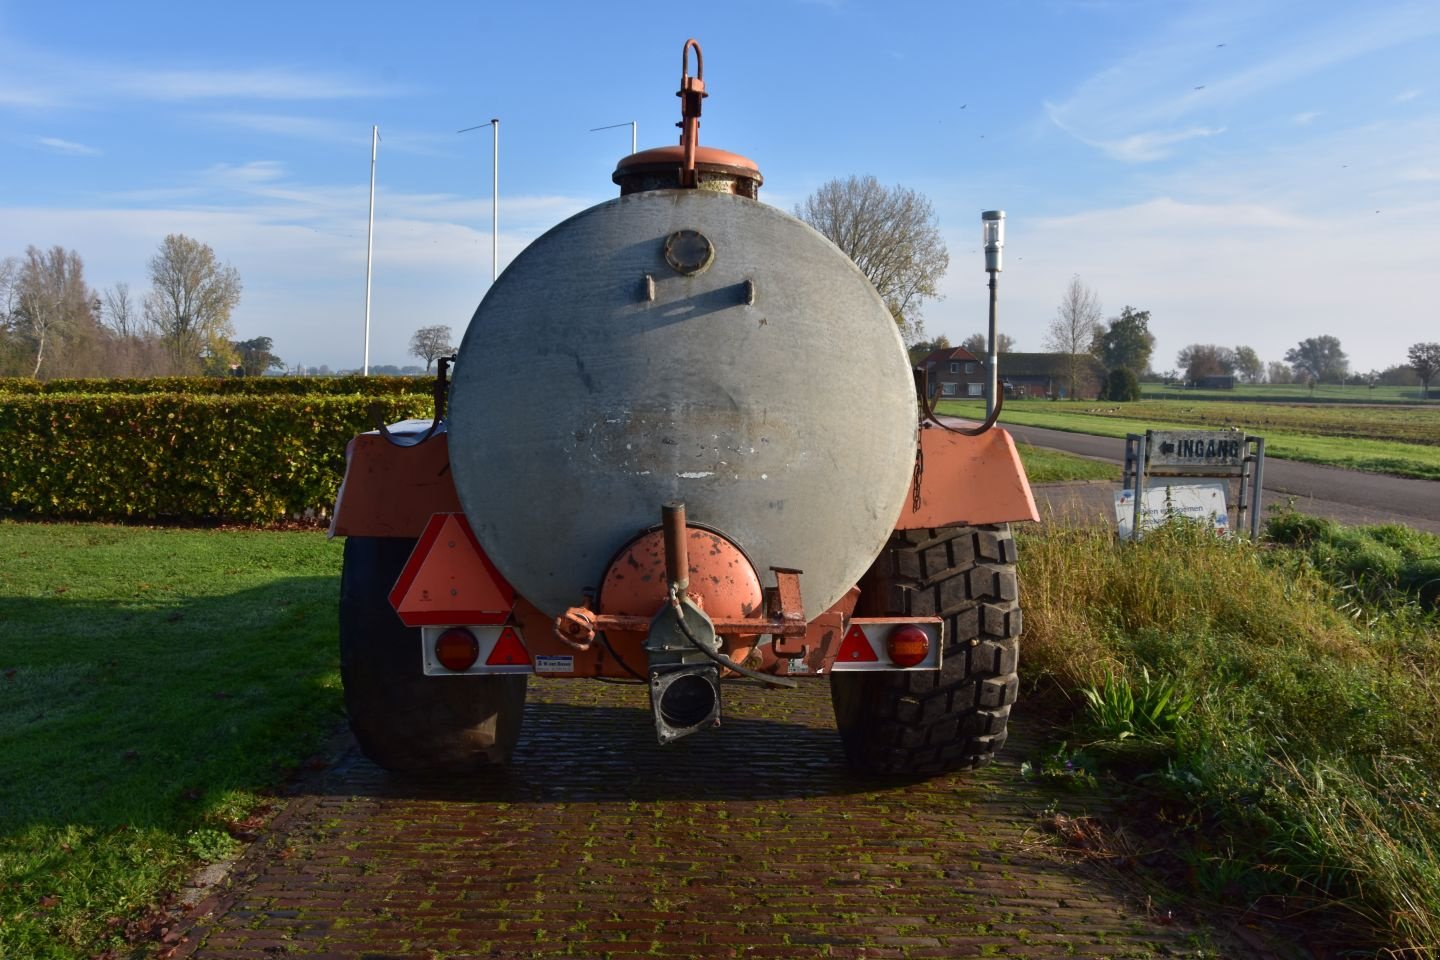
{"x": 119, "y": 311}
{"x": 893, "y": 236}
{"x": 9, "y": 288}
{"x": 51, "y": 300}
{"x": 1076, "y": 328}
{"x": 432, "y": 343}
{"x": 190, "y": 300}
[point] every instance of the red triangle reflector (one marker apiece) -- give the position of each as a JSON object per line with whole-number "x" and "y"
{"x": 449, "y": 580}
{"x": 856, "y": 647}
{"x": 509, "y": 651}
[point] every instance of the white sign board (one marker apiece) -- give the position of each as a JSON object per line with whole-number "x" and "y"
{"x": 1194, "y": 451}
{"x": 1205, "y": 500}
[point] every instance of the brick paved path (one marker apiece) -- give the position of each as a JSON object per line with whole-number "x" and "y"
{"x": 749, "y": 841}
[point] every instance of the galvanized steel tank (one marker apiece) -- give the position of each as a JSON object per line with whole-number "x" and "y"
{"x": 690, "y": 344}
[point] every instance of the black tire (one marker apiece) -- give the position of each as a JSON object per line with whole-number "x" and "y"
{"x": 921, "y": 723}
{"x": 404, "y": 720}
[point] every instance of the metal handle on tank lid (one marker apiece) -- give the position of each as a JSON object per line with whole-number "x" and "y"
{"x": 691, "y": 92}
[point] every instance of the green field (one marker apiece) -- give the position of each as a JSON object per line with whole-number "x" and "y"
{"x": 154, "y": 685}
{"x": 1404, "y": 441}
{"x": 1295, "y": 393}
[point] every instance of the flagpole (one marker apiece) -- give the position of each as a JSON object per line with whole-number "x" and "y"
{"x": 370, "y": 244}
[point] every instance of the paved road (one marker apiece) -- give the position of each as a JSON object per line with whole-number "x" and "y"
{"x": 1345, "y": 495}
{"x": 749, "y": 841}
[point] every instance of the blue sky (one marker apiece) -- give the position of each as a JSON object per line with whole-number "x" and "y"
{"x": 1251, "y": 173}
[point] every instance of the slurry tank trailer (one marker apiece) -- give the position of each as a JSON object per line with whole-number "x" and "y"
{"x": 683, "y": 444}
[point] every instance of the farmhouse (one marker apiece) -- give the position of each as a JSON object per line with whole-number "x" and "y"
{"x": 955, "y": 371}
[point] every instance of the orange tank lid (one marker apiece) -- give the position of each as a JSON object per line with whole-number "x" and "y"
{"x": 675, "y": 154}
{"x": 687, "y": 164}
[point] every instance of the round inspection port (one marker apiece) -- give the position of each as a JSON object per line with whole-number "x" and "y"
{"x": 689, "y": 252}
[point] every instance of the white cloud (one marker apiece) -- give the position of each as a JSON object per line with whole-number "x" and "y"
{"x": 24, "y": 96}
{"x": 326, "y": 130}
{"x": 299, "y": 128}
{"x": 300, "y": 250}
{"x": 1406, "y": 95}
{"x": 67, "y": 147}
{"x": 1146, "y": 146}
{"x": 32, "y": 77}
{"x": 259, "y": 83}
{"x": 244, "y": 174}
{"x": 1148, "y": 94}
{"x": 1305, "y": 119}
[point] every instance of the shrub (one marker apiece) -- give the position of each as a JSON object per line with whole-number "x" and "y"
{"x": 154, "y": 456}
{"x": 1377, "y": 562}
{"x": 1121, "y": 386}
{"x": 226, "y": 386}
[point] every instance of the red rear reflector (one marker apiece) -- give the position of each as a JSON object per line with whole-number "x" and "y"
{"x": 856, "y": 647}
{"x": 907, "y": 645}
{"x": 509, "y": 651}
{"x": 457, "y": 649}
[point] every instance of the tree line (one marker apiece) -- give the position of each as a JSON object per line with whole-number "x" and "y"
{"x": 1124, "y": 346}
{"x": 54, "y": 324}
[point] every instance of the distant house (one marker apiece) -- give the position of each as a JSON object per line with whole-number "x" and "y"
{"x": 1026, "y": 376}
{"x": 955, "y": 371}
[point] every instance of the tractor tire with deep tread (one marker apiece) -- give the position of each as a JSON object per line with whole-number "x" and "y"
{"x": 402, "y": 719}
{"x": 922, "y": 723}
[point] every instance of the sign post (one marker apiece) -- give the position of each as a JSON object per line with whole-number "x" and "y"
{"x": 1175, "y": 458}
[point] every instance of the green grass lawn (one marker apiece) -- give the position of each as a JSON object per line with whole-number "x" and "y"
{"x": 154, "y": 684}
{"x": 1053, "y": 466}
{"x": 1409, "y": 444}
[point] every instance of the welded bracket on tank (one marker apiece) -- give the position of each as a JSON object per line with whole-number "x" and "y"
{"x": 782, "y": 605}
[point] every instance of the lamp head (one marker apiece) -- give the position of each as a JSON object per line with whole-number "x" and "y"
{"x": 992, "y": 224}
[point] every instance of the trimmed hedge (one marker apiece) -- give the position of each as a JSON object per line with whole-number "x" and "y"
{"x": 176, "y": 457}
{"x": 226, "y": 386}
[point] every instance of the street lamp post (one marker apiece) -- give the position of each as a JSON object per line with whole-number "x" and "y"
{"x": 992, "y": 224}
{"x": 494, "y": 126}
{"x": 628, "y": 123}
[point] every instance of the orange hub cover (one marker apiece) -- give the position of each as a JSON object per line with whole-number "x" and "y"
{"x": 722, "y": 579}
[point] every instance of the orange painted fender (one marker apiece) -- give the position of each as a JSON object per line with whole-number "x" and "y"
{"x": 969, "y": 480}
{"x": 392, "y": 491}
